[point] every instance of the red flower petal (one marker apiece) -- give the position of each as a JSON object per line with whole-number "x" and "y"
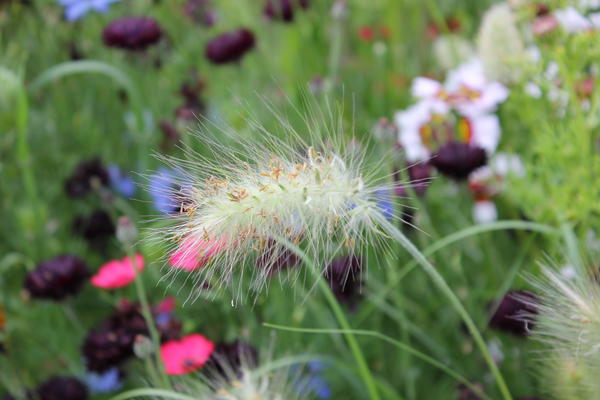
{"x": 186, "y": 355}
{"x": 117, "y": 273}
{"x": 193, "y": 253}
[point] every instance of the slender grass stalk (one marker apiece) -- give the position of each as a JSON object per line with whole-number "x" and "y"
{"x": 24, "y": 157}
{"x": 574, "y": 255}
{"x": 147, "y": 314}
{"x": 98, "y": 67}
{"x": 363, "y": 368}
{"x": 439, "y": 280}
{"x": 456, "y": 237}
{"x": 159, "y": 393}
{"x": 335, "y": 50}
{"x": 402, "y": 346}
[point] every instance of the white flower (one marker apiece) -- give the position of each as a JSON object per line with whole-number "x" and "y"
{"x": 410, "y": 123}
{"x": 572, "y": 20}
{"x": 484, "y": 211}
{"x": 533, "y": 90}
{"x": 423, "y": 127}
{"x": 506, "y": 164}
{"x": 485, "y": 132}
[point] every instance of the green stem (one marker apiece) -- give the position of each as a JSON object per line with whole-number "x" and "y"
{"x": 163, "y": 394}
{"x": 437, "y": 278}
{"x": 456, "y": 237}
{"x": 24, "y": 156}
{"x": 147, "y": 314}
{"x": 404, "y": 347}
{"x": 363, "y": 368}
{"x": 98, "y": 67}
{"x": 335, "y": 51}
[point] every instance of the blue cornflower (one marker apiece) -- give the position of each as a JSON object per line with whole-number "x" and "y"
{"x": 104, "y": 382}
{"x": 163, "y": 186}
{"x": 311, "y": 382}
{"x": 384, "y": 203}
{"x": 75, "y": 9}
{"x": 120, "y": 181}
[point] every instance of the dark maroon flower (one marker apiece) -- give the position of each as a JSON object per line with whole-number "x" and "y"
{"x": 200, "y": 11}
{"x": 112, "y": 342}
{"x": 95, "y": 228}
{"x": 419, "y": 175}
{"x": 62, "y": 388}
{"x": 343, "y": 275}
{"x": 57, "y": 278}
{"x": 190, "y": 111}
{"x": 283, "y": 9}
{"x": 515, "y": 312}
{"x": 132, "y": 33}
{"x": 228, "y": 359}
{"x": 457, "y": 160}
{"x": 230, "y": 46}
{"x": 191, "y": 89}
{"x": 170, "y": 135}
{"x": 87, "y": 175}
{"x": 464, "y": 393}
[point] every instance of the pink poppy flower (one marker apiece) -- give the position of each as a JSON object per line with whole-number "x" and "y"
{"x": 117, "y": 273}
{"x": 193, "y": 252}
{"x": 186, "y": 355}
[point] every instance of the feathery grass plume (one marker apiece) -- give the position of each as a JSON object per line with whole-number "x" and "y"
{"x": 255, "y": 194}
{"x": 499, "y": 44}
{"x": 568, "y": 324}
{"x": 248, "y": 382}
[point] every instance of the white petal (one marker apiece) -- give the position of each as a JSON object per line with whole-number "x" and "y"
{"x": 486, "y": 132}
{"x": 425, "y": 87}
{"x": 571, "y": 20}
{"x": 484, "y": 212}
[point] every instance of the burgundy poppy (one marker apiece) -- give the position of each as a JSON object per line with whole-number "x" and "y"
{"x": 514, "y": 313}
{"x": 457, "y": 159}
{"x": 57, "y": 278}
{"x": 230, "y": 46}
{"x": 283, "y": 9}
{"x": 87, "y": 175}
{"x": 132, "y": 33}
{"x": 62, "y": 388}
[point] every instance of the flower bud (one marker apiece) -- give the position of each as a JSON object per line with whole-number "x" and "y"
{"x": 283, "y": 9}
{"x": 457, "y": 160}
{"x": 142, "y": 346}
{"x": 126, "y": 231}
{"x": 230, "y": 46}
{"x": 132, "y": 33}
{"x": 57, "y": 278}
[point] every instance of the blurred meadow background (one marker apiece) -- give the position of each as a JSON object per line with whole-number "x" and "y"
{"x": 483, "y": 117}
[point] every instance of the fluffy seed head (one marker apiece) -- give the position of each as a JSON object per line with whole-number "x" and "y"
{"x": 241, "y": 204}
{"x": 499, "y": 44}
{"x": 569, "y": 325}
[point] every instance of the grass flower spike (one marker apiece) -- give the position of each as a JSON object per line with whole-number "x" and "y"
{"x": 568, "y": 323}
{"x": 240, "y": 208}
